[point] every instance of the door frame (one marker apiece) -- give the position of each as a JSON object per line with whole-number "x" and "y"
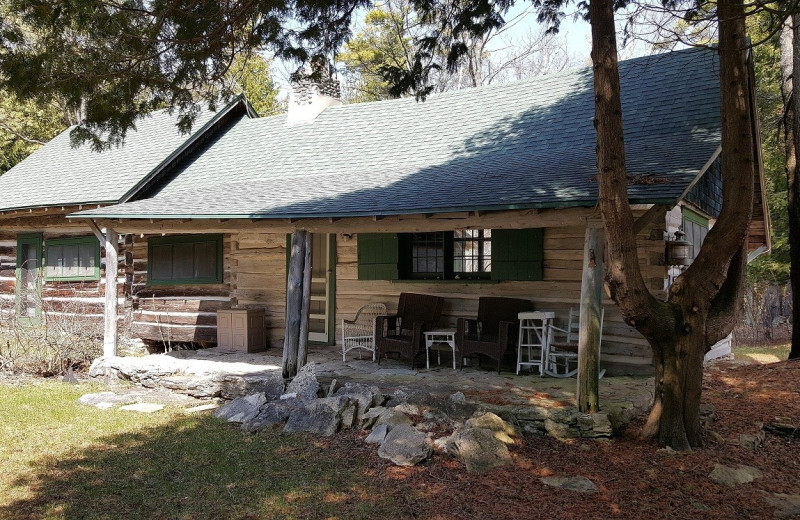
{"x": 331, "y": 340}
{"x": 24, "y": 239}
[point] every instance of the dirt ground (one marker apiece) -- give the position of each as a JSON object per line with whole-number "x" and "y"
{"x": 636, "y": 479}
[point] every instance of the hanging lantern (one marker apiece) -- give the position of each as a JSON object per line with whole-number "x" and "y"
{"x": 679, "y": 251}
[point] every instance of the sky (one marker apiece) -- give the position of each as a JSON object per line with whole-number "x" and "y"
{"x": 576, "y": 33}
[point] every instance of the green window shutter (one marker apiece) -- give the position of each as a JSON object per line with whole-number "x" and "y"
{"x": 377, "y": 256}
{"x": 518, "y": 254}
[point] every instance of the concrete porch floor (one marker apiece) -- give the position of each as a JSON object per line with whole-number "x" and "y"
{"x": 214, "y": 372}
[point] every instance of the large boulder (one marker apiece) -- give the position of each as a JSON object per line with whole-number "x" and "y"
{"x": 479, "y": 449}
{"x": 393, "y": 417}
{"x": 305, "y": 384}
{"x": 404, "y": 445}
{"x": 378, "y": 435}
{"x": 490, "y": 421}
{"x": 732, "y": 477}
{"x": 366, "y": 396}
{"x": 320, "y": 416}
{"x": 241, "y": 409}
{"x": 272, "y": 413}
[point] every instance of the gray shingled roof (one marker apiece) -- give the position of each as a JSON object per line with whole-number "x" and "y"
{"x": 59, "y": 175}
{"x": 526, "y": 144}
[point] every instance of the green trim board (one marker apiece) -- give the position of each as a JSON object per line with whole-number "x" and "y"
{"x": 54, "y": 246}
{"x": 28, "y": 243}
{"x": 693, "y": 216}
{"x": 184, "y": 260}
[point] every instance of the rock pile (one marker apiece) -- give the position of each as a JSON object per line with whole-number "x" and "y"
{"x": 407, "y": 427}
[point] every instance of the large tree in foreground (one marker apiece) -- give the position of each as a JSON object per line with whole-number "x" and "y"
{"x": 700, "y": 307}
{"x": 790, "y": 70}
{"x": 184, "y": 42}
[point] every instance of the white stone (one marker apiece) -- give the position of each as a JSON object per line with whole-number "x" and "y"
{"x": 201, "y": 408}
{"x": 142, "y": 407}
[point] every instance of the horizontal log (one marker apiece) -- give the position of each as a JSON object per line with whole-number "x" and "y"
{"x": 166, "y": 318}
{"x": 189, "y": 291}
{"x": 175, "y": 334}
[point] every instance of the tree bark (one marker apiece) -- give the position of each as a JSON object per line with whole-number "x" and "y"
{"x": 591, "y": 321}
{"x": 677, "y": 329}
{"x": 790, "y": 62}
{"x": 302, "y": 349}
{"x": 294, "y": 303}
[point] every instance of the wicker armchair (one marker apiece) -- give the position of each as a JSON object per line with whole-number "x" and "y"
{"x": 494, "y": 329}
{"x": 359, "y": 333}
{"x": 402, "y": 333}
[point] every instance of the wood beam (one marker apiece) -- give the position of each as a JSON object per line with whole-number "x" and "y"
{"x": 294, "y": 302}
{"x": 651, "y": 215}
{"x": 517, "y": 219}
{"x": 591, "y": 321}
{"x": 302, "y": 349}
{"x": 110, "y": 312}
{"x": 96, "y": 230}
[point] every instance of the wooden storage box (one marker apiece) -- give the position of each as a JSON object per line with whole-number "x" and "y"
{"x": 241, "y": 329}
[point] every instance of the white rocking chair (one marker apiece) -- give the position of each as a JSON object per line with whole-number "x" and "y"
{"x": 562, "y": 355}
{"x": 359, "y": 333}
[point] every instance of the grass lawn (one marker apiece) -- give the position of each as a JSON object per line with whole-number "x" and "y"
{"x": 762, "y": 353}
{"x": 61, "y": 459}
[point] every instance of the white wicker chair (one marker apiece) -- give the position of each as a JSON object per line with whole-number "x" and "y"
{"x": 562, "y": 357}
{"x": 359, "y": 333}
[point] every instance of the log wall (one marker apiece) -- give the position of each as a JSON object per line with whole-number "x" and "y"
{"x": 60, "y": 300}
{"x": 254, "y": 265}
{"x": 623, "y": 349}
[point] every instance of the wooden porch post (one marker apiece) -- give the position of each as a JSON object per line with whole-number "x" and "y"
{"x": 110, "y": 312}
{"x": 302, "y": 350}
{"x": 294, "y": 303}
{"x": 590, "y": 323}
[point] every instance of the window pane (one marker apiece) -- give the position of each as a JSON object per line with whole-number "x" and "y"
{"x": 427, "y": 253}
{"x": 55, "y": 265}
{"x": 472, "y": 251}
{"x": 86, "y": 254}
{"x": 183, "y": 261}
{"x": 205, "y": 260}
{"x": 71, "y": 260}
{"x": 161, "y": 268}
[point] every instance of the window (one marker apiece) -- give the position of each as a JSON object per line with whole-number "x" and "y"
{"x": 457, "y": 255}
{"x": 72, "y": 259}
{"x": 193, "y": 259}
{"x": 480, "y": 254}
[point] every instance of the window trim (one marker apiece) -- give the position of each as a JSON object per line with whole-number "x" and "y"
{"x": 51, "y": 242}
{"x": 216, "y": 239}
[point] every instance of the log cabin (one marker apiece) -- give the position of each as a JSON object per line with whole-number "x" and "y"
{"x": 483, "y": 191}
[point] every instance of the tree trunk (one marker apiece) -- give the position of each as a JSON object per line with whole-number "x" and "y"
{"x": 790, "y": 62}
{"x": 294, "y": 303}
{"x": 591, "y": 321}
{"x": 302, "y": 349}
{"x": 711, "y": 287}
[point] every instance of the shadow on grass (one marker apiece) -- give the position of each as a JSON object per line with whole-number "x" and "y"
{"x": 198, "y": 467}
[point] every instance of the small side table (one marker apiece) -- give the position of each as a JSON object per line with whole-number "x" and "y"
{"x": 447, "y": 336}
{"x": 534, "y": 336}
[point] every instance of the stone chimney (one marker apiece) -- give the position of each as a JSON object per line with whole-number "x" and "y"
{"x": 313, "y": 90}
